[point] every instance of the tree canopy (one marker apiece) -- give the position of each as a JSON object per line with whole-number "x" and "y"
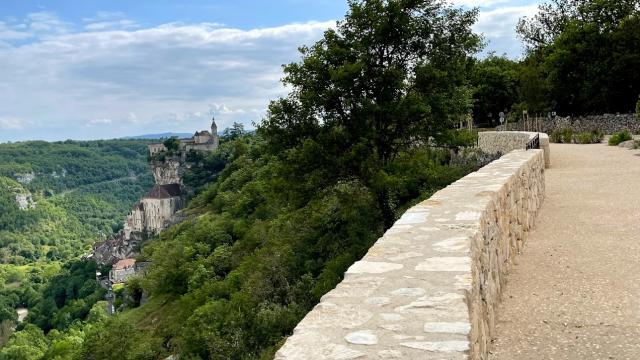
{"x": 581, "y": 52}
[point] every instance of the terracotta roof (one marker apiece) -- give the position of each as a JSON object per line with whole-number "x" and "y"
{"x": 123, "y": 264}
{"x": 164, "y": 191}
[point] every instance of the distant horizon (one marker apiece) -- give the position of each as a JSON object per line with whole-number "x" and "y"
{"x": 96, "y": 70}
{"x": 158, "y": 136}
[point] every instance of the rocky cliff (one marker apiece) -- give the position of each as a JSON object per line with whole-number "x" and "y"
{"x": 150, "y": 215}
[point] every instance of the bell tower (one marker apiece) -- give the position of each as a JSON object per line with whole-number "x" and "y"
{"x": 214, "y": 127}
{"x": 214, "y": 133}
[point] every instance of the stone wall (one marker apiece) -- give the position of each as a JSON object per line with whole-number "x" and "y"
{"x": 429, "y": 288}
{"x": 607, "y": 123}
{"x": 493, "y": 142}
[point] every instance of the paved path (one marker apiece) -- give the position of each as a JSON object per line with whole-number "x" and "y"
{"x": 574, "y": 293}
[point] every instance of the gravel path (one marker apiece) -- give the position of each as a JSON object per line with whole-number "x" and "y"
{"x": 575, "y": 291}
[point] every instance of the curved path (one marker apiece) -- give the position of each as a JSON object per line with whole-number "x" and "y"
{"x": 575, "y": 291}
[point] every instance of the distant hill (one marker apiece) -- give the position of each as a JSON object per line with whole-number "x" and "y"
{"x": 159, "y": 136}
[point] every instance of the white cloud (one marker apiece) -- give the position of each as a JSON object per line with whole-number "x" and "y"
{"x": 109, "y": 25}
{"x": 11, "y": 123}
{"x": 61, "y": 77}
{"x": 498, "y": 26}
{"x": 478, "y": 3}
{"x": 107, "y": 20}
{"x": 12, "y": 32}
{"x": 101, "y": 121}
{"x": 164, "y": 78}
{"x": 46, "y": 22}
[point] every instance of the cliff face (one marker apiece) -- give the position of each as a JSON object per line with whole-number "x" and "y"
{"x": 149, "y": 216}
{"x": 153, "y": 213}
{"x": 167, "y": 172}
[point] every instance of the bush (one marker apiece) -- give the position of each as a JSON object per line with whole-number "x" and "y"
{"x": 619, "y": 137}
{"x": 638, "y": 109}
{"x": 592, "y": 137}
{"x": 567, "y": 136}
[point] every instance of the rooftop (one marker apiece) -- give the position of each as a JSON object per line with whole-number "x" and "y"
{"x": 164, "y": 191}
{"x": 123, "y": 264}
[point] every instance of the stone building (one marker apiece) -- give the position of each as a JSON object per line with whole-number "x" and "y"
{"x": 154, "y": 212}
{"x": 150, "y": 215}
{"x": 122, "y": 270}
{"x": 200, "y": 141}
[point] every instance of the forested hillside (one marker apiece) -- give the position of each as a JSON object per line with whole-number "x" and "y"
{"x": 365, "y": 133}
{"x": 79, "y": 191}
{"x": 367, "y": 130}
{"x": 72, "y": 194}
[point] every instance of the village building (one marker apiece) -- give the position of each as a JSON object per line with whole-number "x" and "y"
{"x": 122, "y": 270}
{"x": 154, "y": 212}
{"x": 201, "y": 141}
{"x": 150, "y": 215}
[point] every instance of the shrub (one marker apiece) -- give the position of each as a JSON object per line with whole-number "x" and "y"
{"x": 555, "y": 137}
{"x": 591, "y": 137}
{"x": 567, "y": 136}
{"x": 619, "y": 137}
{"x": 638, "y": 109}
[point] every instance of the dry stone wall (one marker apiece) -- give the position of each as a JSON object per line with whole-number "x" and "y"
{"x": 429, "y": 288}
{"x": 607, "y": 123}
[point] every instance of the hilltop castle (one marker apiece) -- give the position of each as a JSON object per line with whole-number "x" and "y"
{"x": 154, "y": 211}
{"x": 201, "y": 141}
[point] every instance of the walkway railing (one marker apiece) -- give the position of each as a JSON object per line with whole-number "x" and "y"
{"x": 534, "y": 143}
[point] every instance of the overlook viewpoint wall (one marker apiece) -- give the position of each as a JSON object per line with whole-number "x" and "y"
{"x": 493, "y": 142}
{"x": 429, "y": 288}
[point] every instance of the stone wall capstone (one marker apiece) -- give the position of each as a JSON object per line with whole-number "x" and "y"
{"x": 429, "y": 288}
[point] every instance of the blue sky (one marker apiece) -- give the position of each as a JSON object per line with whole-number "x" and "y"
{"x": 103, "y": 69}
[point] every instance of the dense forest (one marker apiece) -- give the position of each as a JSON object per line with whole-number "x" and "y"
{"x": 278, "y": 215}
{"x": 74, "y": 193}
{"x": 580, "y": 58}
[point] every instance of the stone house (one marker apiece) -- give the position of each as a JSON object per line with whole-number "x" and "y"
{"x": 154, "y": 210}
{"x": 122, "y": 270}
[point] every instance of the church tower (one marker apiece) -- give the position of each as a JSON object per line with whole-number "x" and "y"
{"x": 214, "y": 132}
{"x": 214, "y": 127}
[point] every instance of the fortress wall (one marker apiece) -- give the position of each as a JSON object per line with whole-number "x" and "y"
{"x": 494, "y": 142}
{"x": 429, "y": 288}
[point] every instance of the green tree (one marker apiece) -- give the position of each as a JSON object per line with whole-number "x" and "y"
{"x": 584, "y": 50}
{"x": 28, "y": 344}
{"x": 495, "y": 85}
{"x": 234, "y": 132}
{"x": 172, "y": 144}
{"x": 392, "y": 74}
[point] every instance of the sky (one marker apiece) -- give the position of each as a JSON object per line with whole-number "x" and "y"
{"x": 100, "y": 69}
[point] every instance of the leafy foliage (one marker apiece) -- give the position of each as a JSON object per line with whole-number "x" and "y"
{"x": 80, "y": 191}
{"x": 568, "y": 136}
{"x": 496, "y": 82}
{"x": 619, "y": 137}
{"x": 581, "y": 51}
{"x": 364, "y": 134}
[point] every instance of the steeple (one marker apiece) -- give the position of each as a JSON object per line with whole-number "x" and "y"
{"x": 214, "y": 127}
